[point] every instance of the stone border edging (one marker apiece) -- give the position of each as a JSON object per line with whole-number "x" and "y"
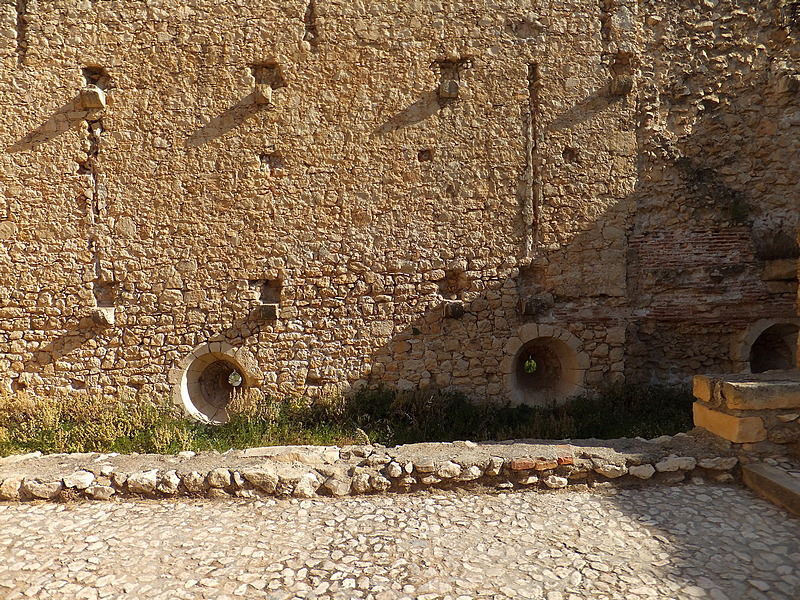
{"x": 774, "y": 484}
{"x": 308, "y": 471}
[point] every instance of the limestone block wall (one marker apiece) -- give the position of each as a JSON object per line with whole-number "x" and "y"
{"x": 348, "y": 193}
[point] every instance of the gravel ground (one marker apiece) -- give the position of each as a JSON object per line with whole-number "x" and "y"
{"x": 684, "y": 542}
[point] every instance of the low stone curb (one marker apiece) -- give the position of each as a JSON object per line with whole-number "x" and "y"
{"x": 774, "y": 484}
{"x": 307, "y": 471}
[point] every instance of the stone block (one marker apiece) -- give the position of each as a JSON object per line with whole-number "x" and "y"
{"x": 739, "y": 430}
{"x": 424, "y": 465}
{"x": 263, "y": 478}
{"x": 307, "y": 486}
{"x": 611, "y": 471}
{"x": 10, "y": 487}
{"x": 529, "y": 331}
{"x": 701, "y": 388}
{"x": 99, "y": 492}
{"x": 92, "y": 97}
{"x": 545, "y": 465}
{"x": 219, "y": 478}
{"x": 104, "y": 316}
{"x": 80, "y": 480}
{"x": 512, "y": 346}
{"x": 555, "y": 482}
{"x": 645, "y": 471}
{"x": 521, "y": 464}
{"x": 46, "y": 490}
{"x": 761, "y": 395}
{"x": 676, "y": 463}
{"x": 338, "y": 487}
{"x": 448, "y": 470}
{"x": 719, "y": 463}
{"x": 262, "y": 93}
{"x": 143, "y": 482}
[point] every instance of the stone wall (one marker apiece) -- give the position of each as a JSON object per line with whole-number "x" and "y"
{"x": 328, "y": 194}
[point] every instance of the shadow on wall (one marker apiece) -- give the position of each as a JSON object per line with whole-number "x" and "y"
{"x": 585, "y": 110}
{"x": 232, "y": 118}
{"x": 705, "y": 249}
{"x": 63, "y": 119}
{"x": 426, "y": 106}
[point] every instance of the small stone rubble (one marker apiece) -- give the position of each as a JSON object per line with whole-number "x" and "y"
{"x": 308, "y": 471}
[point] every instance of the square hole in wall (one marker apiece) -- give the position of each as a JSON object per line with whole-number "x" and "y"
{"x": 266, "y": 291}
{"x": 268, "y": 73}
{"x": 96, "y": 76}
{"x": 425, "y": 155}
{"x": 105, "y": 293}
{"x": 271, "y": 163}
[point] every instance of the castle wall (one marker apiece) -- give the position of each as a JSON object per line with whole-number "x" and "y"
{"x": 601, "y": 175}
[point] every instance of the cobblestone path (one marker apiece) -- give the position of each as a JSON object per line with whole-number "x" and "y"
{"x": 687, "y": 542}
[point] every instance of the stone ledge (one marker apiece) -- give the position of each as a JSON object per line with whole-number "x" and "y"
{"x": 761, "y": 395}
{"x": 306, "y": 471}
{"x": 774, "y": 484}
{"x": 761, "y": 391}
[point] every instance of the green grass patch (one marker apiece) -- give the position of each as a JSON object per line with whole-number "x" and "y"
{"x": 85, "y": 423}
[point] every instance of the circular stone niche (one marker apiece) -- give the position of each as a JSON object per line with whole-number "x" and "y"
{"x": 546, "y": 371}
{"x": 209, "y": 385}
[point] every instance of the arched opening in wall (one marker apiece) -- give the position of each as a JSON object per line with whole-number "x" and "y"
{"x": 209, "y": 385}
{"x": 775, "y": 348}
{"x": 546, "y": 371}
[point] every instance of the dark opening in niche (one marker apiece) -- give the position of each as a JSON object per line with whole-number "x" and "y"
{"x": 217, "y": 384}
{"x": 97, "y": 76}
{"x": 268, "y": 73}
{"x": 571, "y": 155}
{"x": 539, "y": 366}
{"x": 775, "y": 348}
{"x": 105, "y": 293}
{"x": 268, "y": 291}
{"x": 425, "y": 155}
{"x": 450, "y": 77}
{"x": 545, "y": 371}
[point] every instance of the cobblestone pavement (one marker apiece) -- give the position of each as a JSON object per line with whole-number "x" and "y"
{"x": 686, "y": 542}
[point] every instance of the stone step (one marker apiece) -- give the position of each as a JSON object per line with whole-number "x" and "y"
{"x": 774, "y": 484}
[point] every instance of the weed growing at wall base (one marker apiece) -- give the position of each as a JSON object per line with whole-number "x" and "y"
{"x": 86, "y": 423}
